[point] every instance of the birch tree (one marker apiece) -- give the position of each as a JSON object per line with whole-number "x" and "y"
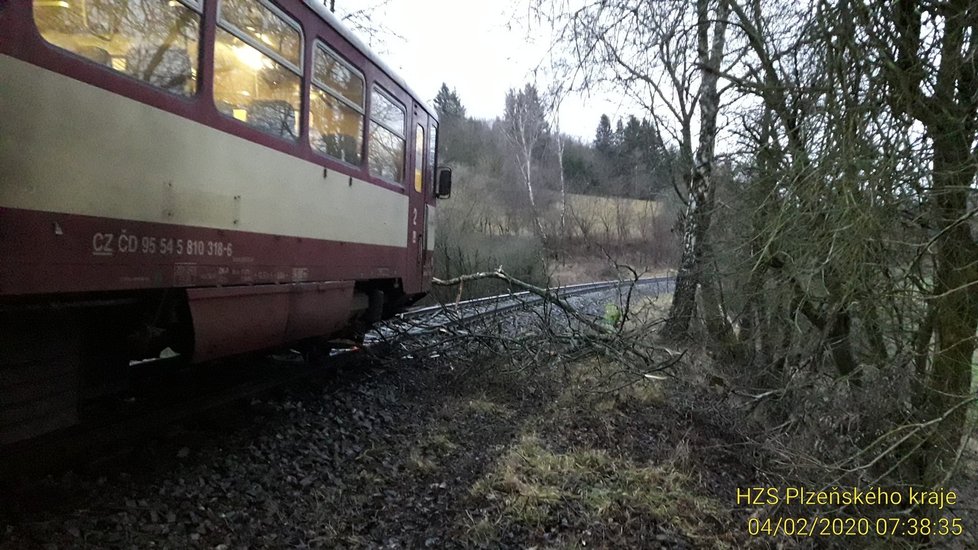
{"x": 557, "y": 95}
{"x": 702, "y": 188}
{"x": 851, "y": 239}
{"x": 526, "y": 129}
{"x": 667, "y": 57}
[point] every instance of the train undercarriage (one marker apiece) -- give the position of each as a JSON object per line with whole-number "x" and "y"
{"x": 58, "y": 353}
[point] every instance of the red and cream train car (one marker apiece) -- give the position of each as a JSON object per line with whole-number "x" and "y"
{"x": 209, "y": 176}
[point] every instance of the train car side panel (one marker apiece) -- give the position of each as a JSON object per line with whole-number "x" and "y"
{"x": 87, "y": 185}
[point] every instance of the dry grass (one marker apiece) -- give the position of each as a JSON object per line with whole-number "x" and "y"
{"x": 428, "y": 454}
{"x": 485, "y": 407}
{"x": 612, "y": 217}
{"x": 565, "y": 482}
{"x": 602, "y": 386}
{"x": 537, "y": 486}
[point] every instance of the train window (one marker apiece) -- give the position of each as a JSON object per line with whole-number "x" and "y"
{"x": 156, "y": 41}
{"x": 387, "y": 112}
{"x": 257, "y": 60}
{"x": 387, "y": 141}
{"x": 419, "y": 159}
{"x": 337, "y": 76}
{"x": 265, "y": 25}
{"x": 336, "y": 110}
{"x": 432, "y": 154}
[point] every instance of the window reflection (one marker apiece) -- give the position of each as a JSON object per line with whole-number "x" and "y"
{"x": 335, "y": 75}
{"x": 257, "y": 87}
{"x": 387, "y": 142}
{"x": 335, "y": 128}
{"x": 432, "y": 154}
{"x": 336, "y": 110}
{"x": 264, "y": 26}
{"x": 419, "y": 159}
{"x": 386, "y": 155}
{"x": 155, "y": 41}
{"x": 388, "y": 113}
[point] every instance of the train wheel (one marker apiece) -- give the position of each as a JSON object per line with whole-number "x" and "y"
{"x": 39, "y": 360}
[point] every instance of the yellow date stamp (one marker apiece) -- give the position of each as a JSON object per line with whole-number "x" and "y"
{"x": 854, "y": 527}
{"x": 876, "y": 511}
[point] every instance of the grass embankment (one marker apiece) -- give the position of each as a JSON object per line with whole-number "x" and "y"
{"x": 582, "y": 460}
{"x": 596, "y": 468}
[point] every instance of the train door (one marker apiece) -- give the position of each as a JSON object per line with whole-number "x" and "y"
{"x": 431, "y": 163}
{"x": 417, "y": 203}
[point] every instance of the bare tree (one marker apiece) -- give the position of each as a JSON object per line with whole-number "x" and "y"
{"x": 928, "y": 51}
{"x": 526, "y": 128}
{"x": 557, "y": 94}
{"x": 863, "y": 145}
{"x": 668, "y": 57}
{"x": 702, "y": 188}
{"x": 363, "y": 20}
{"x": 846, "y": 243}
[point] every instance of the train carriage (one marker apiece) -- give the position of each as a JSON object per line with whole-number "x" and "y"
{"x": 206, "y": 176}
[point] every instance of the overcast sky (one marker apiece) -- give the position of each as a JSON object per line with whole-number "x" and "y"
{"x": 479, "y": 48}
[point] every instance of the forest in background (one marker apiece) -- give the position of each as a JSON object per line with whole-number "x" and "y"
{"x": 547, "y": 207}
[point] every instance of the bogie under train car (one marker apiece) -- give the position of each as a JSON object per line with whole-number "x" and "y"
{"x": 210, "y": 177}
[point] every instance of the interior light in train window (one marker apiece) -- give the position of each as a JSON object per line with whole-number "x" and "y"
{"x": 240, "y": 114}
{"x": 155, "y": 41}
{"x": 250, "y": 57}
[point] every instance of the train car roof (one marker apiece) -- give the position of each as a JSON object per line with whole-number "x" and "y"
{"x": 319, "y": 6}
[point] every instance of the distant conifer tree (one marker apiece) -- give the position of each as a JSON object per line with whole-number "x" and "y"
{"x": 604, "y": 137}
{"x": 448, "y": 104}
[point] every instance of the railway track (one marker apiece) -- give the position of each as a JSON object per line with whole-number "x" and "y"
{"x": 168, "y": 392}
{"x": 419, "y": 321}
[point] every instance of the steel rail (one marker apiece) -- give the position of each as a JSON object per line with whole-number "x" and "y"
{"x": 466, "y": 312}
{"x": 560, "y": 292}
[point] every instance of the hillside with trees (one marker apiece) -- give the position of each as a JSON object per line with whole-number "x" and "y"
{"x": 544, "y": 204}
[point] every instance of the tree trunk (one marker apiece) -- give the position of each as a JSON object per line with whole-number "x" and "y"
{"x": 702, "y": 188}
{"x": 528, "y": 181}
{"x": 956, "y": 319}
{"x": 563, "y": 184}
